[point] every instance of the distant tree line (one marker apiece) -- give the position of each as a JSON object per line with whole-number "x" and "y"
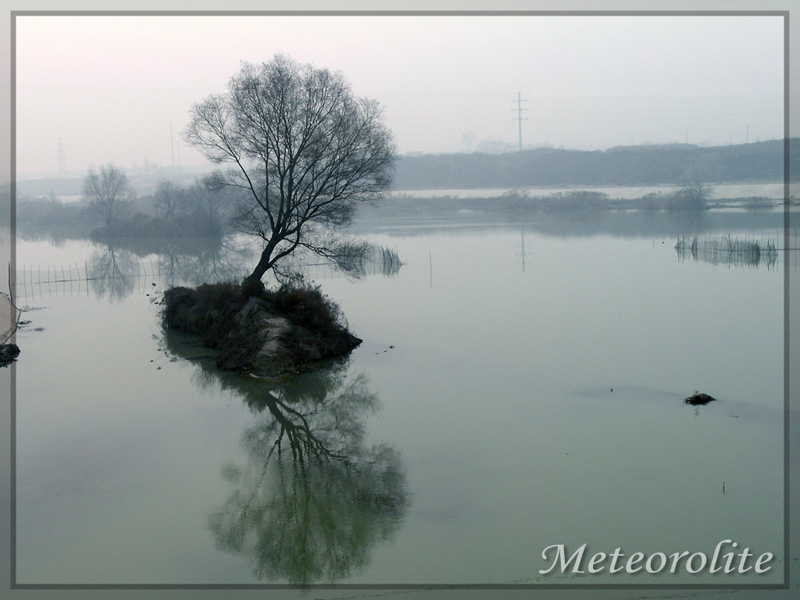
{"x": 175, "y": 210}
{"x": 48, "y": 212}
{"x": 110, "y": 206}
{"x": 630, "y": 165}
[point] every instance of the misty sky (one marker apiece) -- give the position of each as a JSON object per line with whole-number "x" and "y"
{"x": 119, "y": 89}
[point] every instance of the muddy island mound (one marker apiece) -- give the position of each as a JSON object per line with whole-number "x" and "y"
{"x": 269, "y": 334}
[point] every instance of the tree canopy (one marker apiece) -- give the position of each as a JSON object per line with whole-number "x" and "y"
{"x": 107, "y": 192}
{"x": 303, "y": 149}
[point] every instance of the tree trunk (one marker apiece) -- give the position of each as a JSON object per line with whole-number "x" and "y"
{"x": 252, "y": 285}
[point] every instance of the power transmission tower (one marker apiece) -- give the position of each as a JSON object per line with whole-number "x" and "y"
{"x": 519, "y": 116}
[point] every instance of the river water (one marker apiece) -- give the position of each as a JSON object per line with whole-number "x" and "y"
{"x": 520, "y": 385}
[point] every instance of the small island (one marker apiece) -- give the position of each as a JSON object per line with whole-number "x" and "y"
{"x": 269, "y": 335}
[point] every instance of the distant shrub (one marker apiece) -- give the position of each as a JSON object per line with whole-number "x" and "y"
{"x": 582, "y": 199}
{"x": 758, "y": 202}
{"x": 652, "y": 201}
{"x": 49, "y": 211}
{"x": 692, "y": 196}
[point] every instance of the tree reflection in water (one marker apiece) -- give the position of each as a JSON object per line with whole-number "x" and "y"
{"x": 115, "y": 268}
{"x": 112, "y": 272}
{"x": 313, "y": 498}
{"x": 193, "y": 261}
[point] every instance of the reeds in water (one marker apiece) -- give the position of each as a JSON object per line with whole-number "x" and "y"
{"x": 388, "y": 261}
{"x": 727, "y": 250}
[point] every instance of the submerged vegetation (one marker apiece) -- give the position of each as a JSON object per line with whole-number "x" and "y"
{"x": 729, "y": 251}
{"x": 370, "y": 260}
{"x": 389, "y": 262}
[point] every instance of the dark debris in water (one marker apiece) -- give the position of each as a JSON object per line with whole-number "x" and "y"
{"x": 8, "y": 354}
{"x": 699, "y": 399}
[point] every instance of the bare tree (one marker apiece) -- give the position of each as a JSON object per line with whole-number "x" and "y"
{"x": 692, "y": 192}
{"x": 169, "y": 199}
{"x": 210, "y": 201}
{"x": 696, "y": 193}
{"x": 304, "y": 149}
{"x": 108, "y": 192}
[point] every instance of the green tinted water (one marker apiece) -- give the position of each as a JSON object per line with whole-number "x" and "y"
{"x": 518, "y": 386}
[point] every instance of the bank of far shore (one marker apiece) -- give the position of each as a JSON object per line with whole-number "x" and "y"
{"x": 772, "y": 190}
{"x": 745, "y": 195}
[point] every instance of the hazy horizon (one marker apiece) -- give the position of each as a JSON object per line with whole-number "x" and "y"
{"x": 92, "y": 90}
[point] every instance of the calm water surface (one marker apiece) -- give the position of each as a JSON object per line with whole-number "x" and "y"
{"x": 520, "y": 384}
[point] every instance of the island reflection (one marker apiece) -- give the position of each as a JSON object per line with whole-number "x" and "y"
{"x": 314, "y": 497}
